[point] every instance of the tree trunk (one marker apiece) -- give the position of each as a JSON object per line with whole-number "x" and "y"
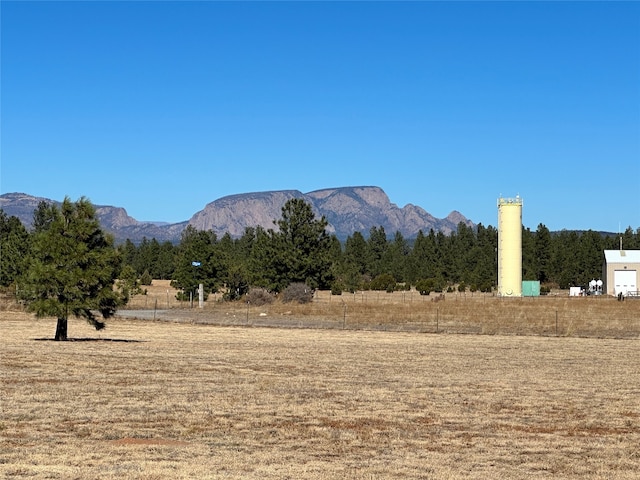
{"x": 61, "y": 330}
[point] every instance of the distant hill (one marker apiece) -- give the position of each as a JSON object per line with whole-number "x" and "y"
{"x": 113, "y": 219}
{"x": 347, "y": 209}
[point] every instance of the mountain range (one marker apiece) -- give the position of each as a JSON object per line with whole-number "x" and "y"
{"x": 347, "y": 209}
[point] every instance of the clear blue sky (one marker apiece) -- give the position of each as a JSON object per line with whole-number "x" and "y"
{"x": 162, "y": 107}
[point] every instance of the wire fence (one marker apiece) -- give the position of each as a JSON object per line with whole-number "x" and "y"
{"x": 455, "y": 313}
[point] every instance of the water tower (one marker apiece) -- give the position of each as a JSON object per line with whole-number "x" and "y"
{"x": 510, "y": 247}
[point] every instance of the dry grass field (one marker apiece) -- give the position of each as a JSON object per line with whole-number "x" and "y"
{"x": 554, "y": 315}
{"x": 155, "y": 400}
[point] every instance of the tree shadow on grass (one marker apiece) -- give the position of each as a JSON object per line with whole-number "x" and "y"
{"x": 87, "y": 339}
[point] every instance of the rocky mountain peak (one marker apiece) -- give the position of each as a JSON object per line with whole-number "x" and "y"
{"x": 347, "y": 209}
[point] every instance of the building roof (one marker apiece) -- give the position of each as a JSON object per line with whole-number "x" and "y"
{"x": 622, "y": 256}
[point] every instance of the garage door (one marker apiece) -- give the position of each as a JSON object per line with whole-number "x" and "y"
{"x": 625, "y": 281}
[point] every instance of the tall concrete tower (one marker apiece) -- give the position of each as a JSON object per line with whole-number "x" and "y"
{"x": 510, "y": 247}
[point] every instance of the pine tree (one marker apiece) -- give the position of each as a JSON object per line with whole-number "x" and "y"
{"x": 396, "y": 257}
{"x": 306, "y": 245}
{"x": 73, "y": 267}
{"x": 486, "y": 266}
{"x": 377, "y": 246}
{"x": 355, "y": 253}
{"x": 300, "y": 251}
{"x": 197, "y": 262}
{"x": 14, "y": 247}
{"x": 542, "y": 253}
{"x": 529, "y": 264}
{"x": 421, "y": 258}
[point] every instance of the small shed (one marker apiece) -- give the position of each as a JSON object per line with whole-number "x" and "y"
{"x": 530, "y": 288}
{"x": 621, "y": 271}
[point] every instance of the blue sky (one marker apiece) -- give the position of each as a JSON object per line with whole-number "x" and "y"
{"x": 163, "y": 107}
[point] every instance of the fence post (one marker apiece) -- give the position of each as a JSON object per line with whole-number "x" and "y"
{"x": 556, "y": 322}
{"x": 344, "y": 316}
{"x": 437, "y": 317}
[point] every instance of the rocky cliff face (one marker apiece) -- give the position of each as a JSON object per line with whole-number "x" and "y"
{"x": 115, "y": 217}
{"x": 347, "y": 209}
{"x": 236, "y": 212}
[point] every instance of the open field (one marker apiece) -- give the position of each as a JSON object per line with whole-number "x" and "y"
{"x": 156, "y": 400}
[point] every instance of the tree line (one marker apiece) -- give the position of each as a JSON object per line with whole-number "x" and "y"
{"x": 298, "y": 249}
{"x": 301, "y": 251}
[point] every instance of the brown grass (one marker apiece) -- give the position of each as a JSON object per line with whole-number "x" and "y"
{"x": 555, "y": 315}
{"x": 181, "y": 400}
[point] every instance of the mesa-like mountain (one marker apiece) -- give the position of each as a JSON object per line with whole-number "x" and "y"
{"x": 347, "y": 209}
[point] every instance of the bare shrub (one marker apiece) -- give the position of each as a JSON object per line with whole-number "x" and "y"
{"x": 259, "y": 297}
{"x": 439, "y": 298}
{"x": 297, "y": 292}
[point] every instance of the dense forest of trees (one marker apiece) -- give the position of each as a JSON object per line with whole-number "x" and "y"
{"x": 300, "y": 250}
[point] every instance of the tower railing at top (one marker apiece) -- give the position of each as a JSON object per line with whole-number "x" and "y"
{"x": 510, "y": 201}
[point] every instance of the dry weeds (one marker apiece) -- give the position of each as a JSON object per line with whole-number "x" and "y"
{"x": 556, "y": 315}
{"x": 179, "y": 400}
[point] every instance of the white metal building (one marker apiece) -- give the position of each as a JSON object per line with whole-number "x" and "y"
{"x": 621, "y": 272}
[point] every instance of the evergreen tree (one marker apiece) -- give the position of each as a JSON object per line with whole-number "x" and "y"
{"x": 443, "y": 258}
{"x": 464, "y": 254}
{"x": 265, "y": 270}
{"x": 589, "y": 257}
{"x": 353, "y": 262}
{"x": 486, "y": 272}
{"x": 152, "y": 256}
{"x": 529, "y": 264}
{"x": 396, "y": 257}
{"x": 145, "y": 258}
{"x": 244, "y": 244}
{"x": 234, "y": 267}
{"x": 44, "y": 214}
{"x": 299, "y": 252}
{"x": 630, "y": 241}
{"x": 564, "y": 260}
{"x": 355, "y": 253}
{"x": 73, "y": 267}
{"x": 164, "y": 264}
{"x": 129, "y": 254}
{"x": 542, "y": 253}
{"x": 421, "y": 259}
{"x": 377, "y": 246}
{"x": 197, "y": 262}
{"x": 14, "y": 248}
{"x": 129, "y": 283}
